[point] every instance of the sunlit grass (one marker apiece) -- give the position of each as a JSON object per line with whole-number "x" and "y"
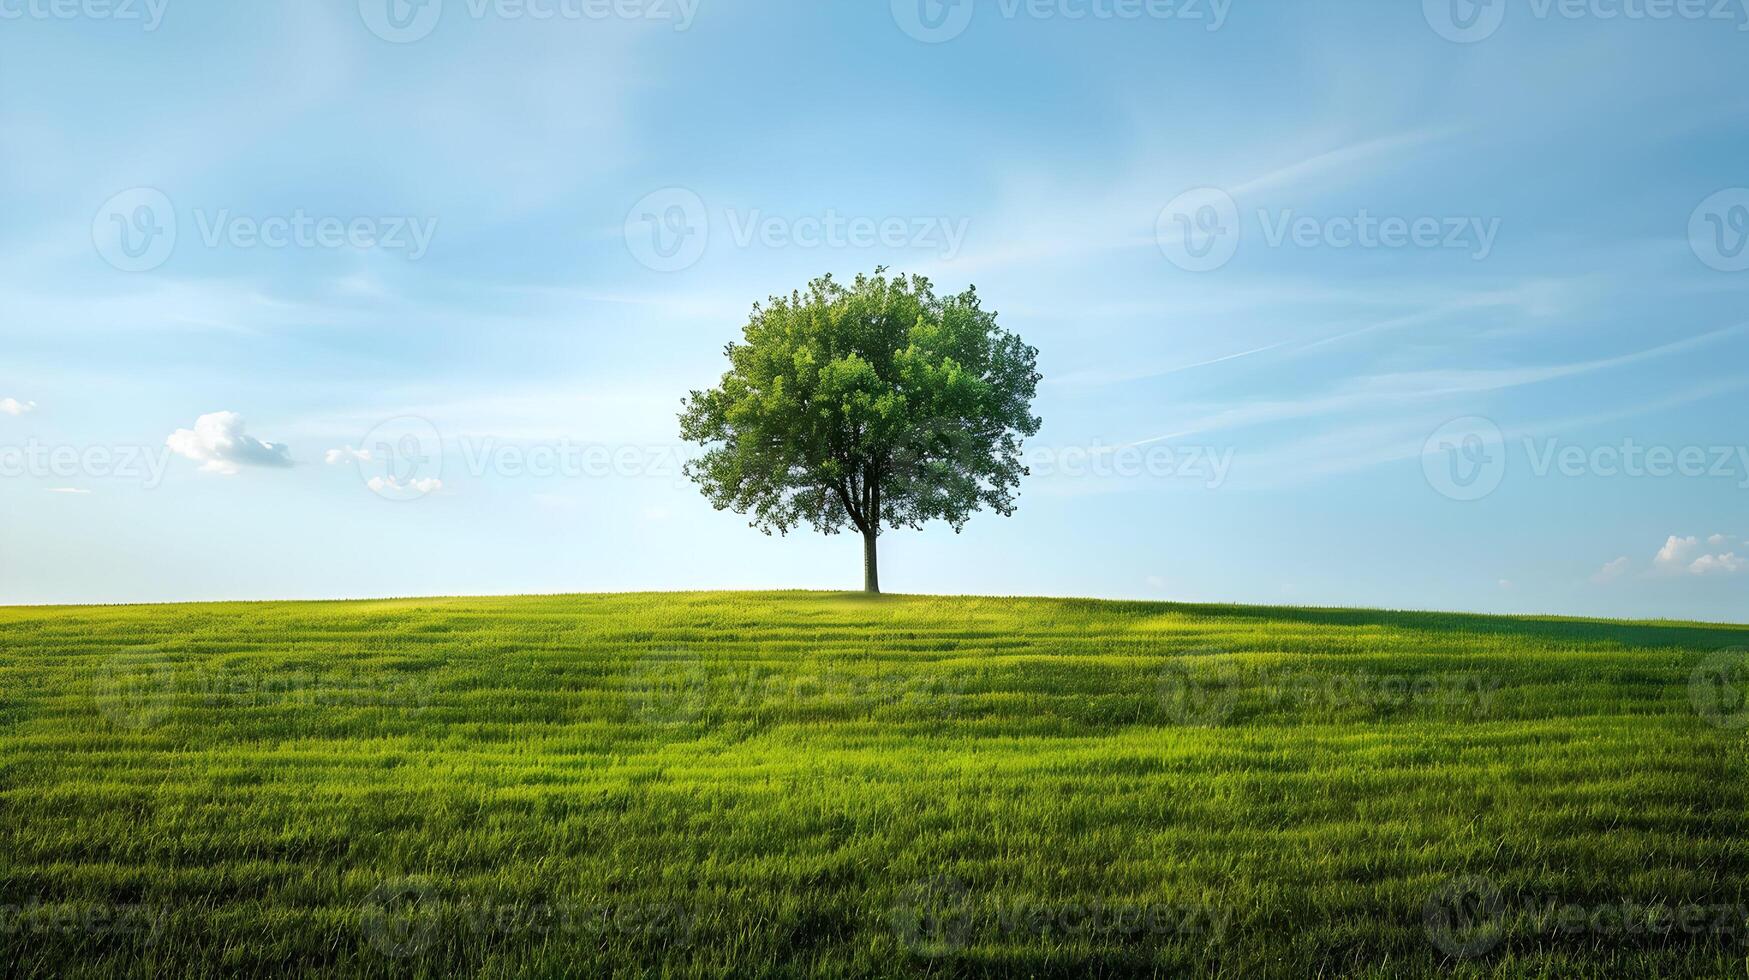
{"x": 812, "y": 784}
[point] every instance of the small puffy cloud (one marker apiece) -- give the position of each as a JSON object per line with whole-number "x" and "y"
{"x": 1725, "y": 564}
{"x": 1676, "y": 553}
{"x": 1717, "y": 540}
{"x": 347, "y": 454}
{"x": 14, "y": 407}
{"x": 389, "y": 484}
{"x": 218, "y": 443}
{"x": 71, "y": 490}
{"x": 1682, "y": 555}
{"x": 1506, "y": 584}
{"x": 1611, "y": 571}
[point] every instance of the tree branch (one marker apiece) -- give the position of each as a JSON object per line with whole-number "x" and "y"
{"x": 849, "y": 508}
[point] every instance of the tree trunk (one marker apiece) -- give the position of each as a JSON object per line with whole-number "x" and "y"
{"x": 871, "y": 575}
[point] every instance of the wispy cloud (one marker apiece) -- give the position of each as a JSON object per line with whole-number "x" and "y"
{"x": 1069, "y": 221}
{"x": 1339, "y": 449}
{"x": 1378, "y": 392}
{"x": 1343, "y": 162}
{"x": 1101, "y": 378}
{"x": 1611, "y": 571}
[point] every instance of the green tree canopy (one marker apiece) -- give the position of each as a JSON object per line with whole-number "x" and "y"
{"x": 878, "y": 405}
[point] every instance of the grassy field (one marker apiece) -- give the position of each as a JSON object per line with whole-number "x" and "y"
{"x": 822, "y": 785}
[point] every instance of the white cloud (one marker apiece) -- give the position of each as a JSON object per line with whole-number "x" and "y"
{"x": 1611, "y": 571}
{"x": 1676, "y": 553}
{"x": 1717, "y": 540}
{"x": 12, "y": 406}
{"x": 390, "y": 484}
{"x": 220, "y": 445}
{"x": 347, "y": 454}
{"x": 1684, "y": 555}
{"x": 72, "y": 490}
{"x": 1725, "y": 564}
{"x": 1506, "y": 584}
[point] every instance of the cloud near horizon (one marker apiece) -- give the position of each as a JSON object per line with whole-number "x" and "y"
{"x": 1680, "y": 556}
{"x": 220, "y": 445}
{"x": 1685, "y": 555}
{"x": 1611, "y": 571}
{"x": 392, "y": 484}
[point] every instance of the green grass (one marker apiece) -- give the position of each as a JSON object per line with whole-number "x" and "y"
{"x": 820, "y": 785}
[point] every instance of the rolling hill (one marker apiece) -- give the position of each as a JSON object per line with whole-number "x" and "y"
{"x": 808, "y": 784}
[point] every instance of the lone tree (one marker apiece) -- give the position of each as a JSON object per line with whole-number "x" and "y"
{"x": 879, "y": 406}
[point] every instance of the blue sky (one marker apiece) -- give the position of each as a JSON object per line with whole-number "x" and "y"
{"x": 1459, "y": 322}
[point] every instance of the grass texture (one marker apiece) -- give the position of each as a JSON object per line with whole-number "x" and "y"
{"x": 808, "y": 784}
